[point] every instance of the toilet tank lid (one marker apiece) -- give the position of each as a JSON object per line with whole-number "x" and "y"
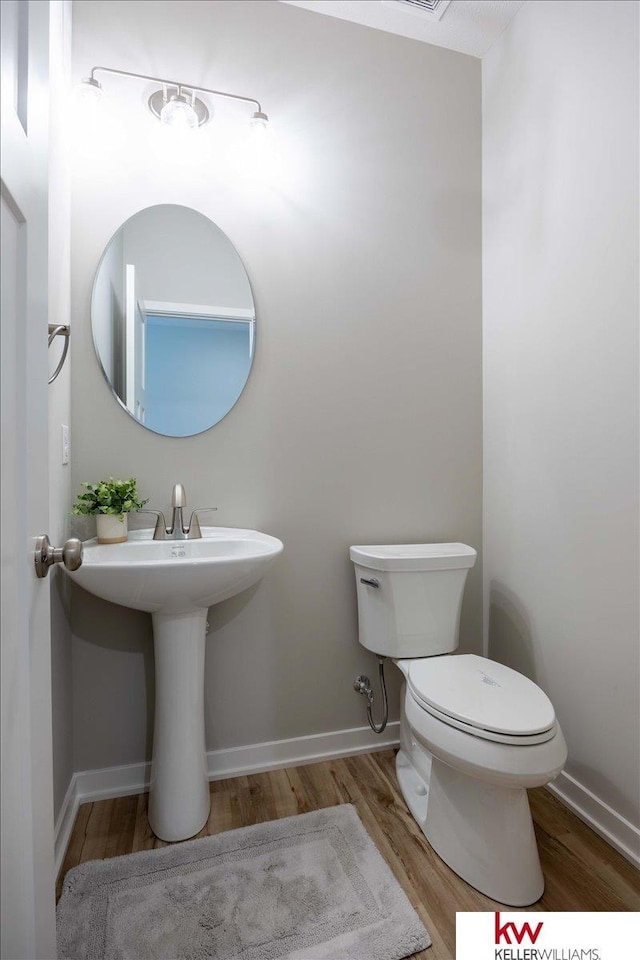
{"x": 414, "y": 556}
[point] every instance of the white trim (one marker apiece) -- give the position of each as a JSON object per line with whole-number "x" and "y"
{"x": 130, "y": 334}
{"x": 165, "y": 308}
{"x": 64, "y": 823}
{"x": 597, "y": 814}
{"x": 275, "y": 754}
{"x": 110, "y": 782}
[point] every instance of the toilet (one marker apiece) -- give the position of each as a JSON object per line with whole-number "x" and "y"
{"x": 474, "y": 734}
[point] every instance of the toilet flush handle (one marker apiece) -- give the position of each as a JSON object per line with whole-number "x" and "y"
{"x": 371, "y": 583}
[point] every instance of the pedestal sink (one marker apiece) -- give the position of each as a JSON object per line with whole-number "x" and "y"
{"x": 177, "y": 581}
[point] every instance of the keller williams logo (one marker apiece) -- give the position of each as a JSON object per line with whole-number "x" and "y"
{"x": 507, "y": 929}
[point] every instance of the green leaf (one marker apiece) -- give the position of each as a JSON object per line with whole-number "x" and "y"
{"x": 112, "y": 497}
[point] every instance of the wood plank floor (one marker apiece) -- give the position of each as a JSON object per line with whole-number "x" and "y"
{"x": 582, "y": 871}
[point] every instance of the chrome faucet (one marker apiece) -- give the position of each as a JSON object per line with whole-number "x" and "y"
{"x": 178, "y": 501}
{"x": 177, "y": 530}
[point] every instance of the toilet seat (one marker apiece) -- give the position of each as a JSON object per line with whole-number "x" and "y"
{"x": 482, "y": 698}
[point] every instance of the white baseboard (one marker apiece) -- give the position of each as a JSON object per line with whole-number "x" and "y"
{"x": 65, "y": 822}
{"x": 597, "y": 814}
{"x": 88, "y": 785}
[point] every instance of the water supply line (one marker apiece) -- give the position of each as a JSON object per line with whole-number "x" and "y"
{"x": 362, "y": 685}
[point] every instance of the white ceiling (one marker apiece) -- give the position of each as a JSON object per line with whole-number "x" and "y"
{"x": 468, "y": 26}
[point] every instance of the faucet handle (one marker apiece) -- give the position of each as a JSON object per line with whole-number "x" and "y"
{"x": 194, "y": 532}
{"x": 160, "y": 531}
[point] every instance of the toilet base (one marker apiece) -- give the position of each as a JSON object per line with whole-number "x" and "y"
{"x": 484, "y": 832}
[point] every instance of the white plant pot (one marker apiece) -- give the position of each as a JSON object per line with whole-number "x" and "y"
{"x": 112, "y": 529}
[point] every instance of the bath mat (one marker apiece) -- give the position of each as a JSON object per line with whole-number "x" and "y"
{"x": 311, "y": 887}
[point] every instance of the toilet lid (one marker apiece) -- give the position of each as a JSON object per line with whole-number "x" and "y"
{"x": 482, "y": 694}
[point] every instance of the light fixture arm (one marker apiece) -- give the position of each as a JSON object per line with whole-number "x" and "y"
{"x": 172, "y": 83}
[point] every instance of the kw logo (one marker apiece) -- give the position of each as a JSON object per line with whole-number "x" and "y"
{"x": 510, "y": 928}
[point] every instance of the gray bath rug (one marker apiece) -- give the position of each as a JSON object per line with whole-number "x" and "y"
{"x": 312, "y": 887}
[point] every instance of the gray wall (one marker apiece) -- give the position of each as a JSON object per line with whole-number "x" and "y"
{"x": 183, "y": 258}
{"x": 361, "y": 421}
{"x": 560, "y": 248}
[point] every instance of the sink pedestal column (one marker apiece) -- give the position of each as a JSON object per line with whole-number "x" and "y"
{"x": 179, "y": 800}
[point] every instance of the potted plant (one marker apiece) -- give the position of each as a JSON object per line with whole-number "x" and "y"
{"x": 109, "y": 501}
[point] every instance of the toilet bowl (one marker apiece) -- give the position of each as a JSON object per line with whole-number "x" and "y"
{"x": 465, "y": 781}
{"x": 474, "y": 734}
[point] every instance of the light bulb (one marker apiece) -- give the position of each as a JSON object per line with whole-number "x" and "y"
{"x": 179, "y": 114}
{"x": 261, "y": 155}
{"x": 260, "y": 130}
{"x": 89, "y": 92}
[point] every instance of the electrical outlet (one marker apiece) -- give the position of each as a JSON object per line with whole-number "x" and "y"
{"x": 66, "y": 445}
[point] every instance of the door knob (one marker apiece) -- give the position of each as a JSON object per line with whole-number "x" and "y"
{"x": 45, "y": 555}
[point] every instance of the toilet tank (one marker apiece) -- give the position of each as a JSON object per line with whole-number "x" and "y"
{"x": 414, "y": 611}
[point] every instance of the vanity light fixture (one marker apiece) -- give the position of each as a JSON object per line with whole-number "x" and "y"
{"x": 174, "y": 104}
{"x": 90, "y": 91}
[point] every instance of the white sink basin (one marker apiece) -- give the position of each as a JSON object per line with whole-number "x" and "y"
{"x": 176, "y": 576}
{"x": 177, "y": 581}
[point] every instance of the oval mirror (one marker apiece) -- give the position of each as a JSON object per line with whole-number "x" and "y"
{"x": 173, "y": 320}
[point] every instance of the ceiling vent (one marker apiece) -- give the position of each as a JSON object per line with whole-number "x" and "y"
{"x": 427, "y": 9}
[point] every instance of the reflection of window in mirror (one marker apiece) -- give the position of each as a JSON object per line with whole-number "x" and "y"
{"x": 215, "y": 353}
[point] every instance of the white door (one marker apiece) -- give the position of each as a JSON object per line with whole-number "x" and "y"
{"x": 27, "y": 870}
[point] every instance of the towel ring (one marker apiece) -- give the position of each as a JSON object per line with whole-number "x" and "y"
{"x": 59, "y": 330}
